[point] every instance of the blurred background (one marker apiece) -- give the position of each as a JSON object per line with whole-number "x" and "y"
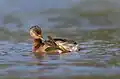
{"x": 57, "y": 16}
{"x": 94, "y": 24}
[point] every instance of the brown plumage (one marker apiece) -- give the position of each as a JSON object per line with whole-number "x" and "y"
{"x": 40, "y": 45}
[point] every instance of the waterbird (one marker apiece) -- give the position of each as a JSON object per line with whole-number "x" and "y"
{"x": 51, "y": 45}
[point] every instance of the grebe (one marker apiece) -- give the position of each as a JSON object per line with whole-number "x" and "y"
{"x": 50, "y": 46}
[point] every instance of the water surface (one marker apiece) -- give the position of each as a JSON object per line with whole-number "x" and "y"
{"x": 99, "y": 58}
{"x": 93, "y": 24}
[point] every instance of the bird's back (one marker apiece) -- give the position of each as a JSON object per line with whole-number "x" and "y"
{"x": 67, "y": 44}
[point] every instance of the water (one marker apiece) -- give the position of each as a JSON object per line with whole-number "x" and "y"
{"x": 99, "y": 58}
{"x": 95, "y": 29}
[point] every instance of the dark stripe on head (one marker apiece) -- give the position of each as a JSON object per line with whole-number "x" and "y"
{"x": 36, "y": 29}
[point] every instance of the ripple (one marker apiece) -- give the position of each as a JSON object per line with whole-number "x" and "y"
{"x": 96, "y": 58}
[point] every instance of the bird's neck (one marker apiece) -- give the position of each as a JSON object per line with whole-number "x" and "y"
{"x": 36, "y": 44}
